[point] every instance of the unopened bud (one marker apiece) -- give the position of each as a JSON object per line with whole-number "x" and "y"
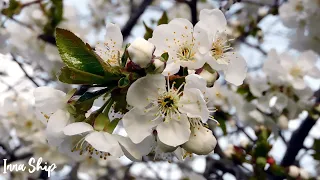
{"x": 141, "y": 52}
{"x": 210, "y": 77}
{"x": 283, "y": 122}
{"x": 294, "y": 171}
{"x": 158, "y": 65}
{"x": 304, "y": 174}
{"x": 201, "y": 141}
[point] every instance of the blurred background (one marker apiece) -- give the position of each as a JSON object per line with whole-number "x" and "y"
{"x": 29, "y": 58}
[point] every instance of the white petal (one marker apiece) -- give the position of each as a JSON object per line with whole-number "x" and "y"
{"x": 141, "y": 52}
{"x": 166, "y": 37}
{"x": 145, "y": 89}
{"x": 193, "y": 104}
{"x": 138, "y": 124}
{"x": 77, "y": 128}
{"x": 171, "y": 68}
{"x": 298, "y": 83}
{"x": 175, "y": 131}
{"x": 49, "y": 100}
{"x": 56, "y": 123}
{"x": 214, "y": 18}
{"x": 112, "y": 43}
{"x": 196, "y": 81}
{"x": 237, "y": 69}
{"x": 67, "y": 145}
{"x": 307, "y": 60}
{"x": 135, "y": 151}
{"x": 105, "y": 142}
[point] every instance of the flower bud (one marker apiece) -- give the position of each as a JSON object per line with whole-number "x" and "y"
{"x": 294, "y": 171}
{"x": 141, "y": 52}
{"x": 229, "y": 151}
{"x": 304, "y": 174}
{"x": 209, "y": 77}
{"x": 158, "y": 65}
{"x": 244, "y": 143}
{"x": 201, "y": 141}
{"x": 283, "y": 122}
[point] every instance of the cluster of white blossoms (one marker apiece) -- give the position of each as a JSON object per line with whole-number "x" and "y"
{"x": 168, "y": 107}
{"x": 303, "y": 15}
{"x": 280, "y": 92}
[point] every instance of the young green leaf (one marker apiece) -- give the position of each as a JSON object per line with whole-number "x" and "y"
{"x": 164, "y": 19}
{"x": 111, "y": 126}
{"x": 76, "y": 54}
{"x": 148, "y": 33}
{"x": 71, "y": 75}
{"x": 101, "y": 121}
{"x": 125, "y": 56}
{"x": 123, "y": 82}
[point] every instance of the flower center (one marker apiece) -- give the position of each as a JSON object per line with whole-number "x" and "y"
{"x": 28, "y": 124}
{"x": 296, "y": 71}
{"x": 299, "y": 7}
{"x": 186, "y": 53}
{"x": 219, "y": 47}
{"x": 85, "y": 148}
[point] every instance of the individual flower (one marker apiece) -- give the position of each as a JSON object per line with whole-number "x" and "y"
{"x": 48, "y": 101}
{"x": 111, "y": 48}
{"x": 297, "y": 69}
{"x": 141, "y": 52}
{"x": 179, "y": 40}
{"x": 292, "y": 13}
{"x": 163, "y": 107}
{"x": 221, "y": 56}
{"x": 82, "y": 139}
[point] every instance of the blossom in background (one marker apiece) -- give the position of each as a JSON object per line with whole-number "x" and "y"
{"x": 111, "y": 48}
{"x": 221, "y": 56}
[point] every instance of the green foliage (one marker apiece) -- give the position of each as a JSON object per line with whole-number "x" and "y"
{"x": 71, "y": 75}
{"x": 101, "y": 121}
{"x": 123, "y": 82}
{"x": 125, "y": 56}
{"x": 13, "y": 9}
{"x": 164, "y": 19}
{"x": 316, "y": 147}
{"x": 83, "y": 65}
{"x": 111, "y": 126}
{"x": 119, "y": 97}
{"x": 76, "y": 54}
{"x": 54, "y": 15}
{"x": 165, "y": 56}
{"x": 148, "y": 33}
{"x": 92, "y": 95}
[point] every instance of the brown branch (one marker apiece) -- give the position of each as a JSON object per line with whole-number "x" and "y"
{"x": 126, "y": 30}
{"x": 24, "y": 71}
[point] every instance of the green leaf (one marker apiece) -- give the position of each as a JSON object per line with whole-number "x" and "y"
{"x": 164, "y": 19}
{"x": 125, "y": 56}
{"x": 123, "y": 82}
{"x": 165, "y": 56}
{"x": 101, "y": 121}
{"x": 148, "y": 33}
{"x": 54, "y": 15}
{"x": 111, "y": 126}
{"x": 261, "y": 161}
{"x": 119, "y": 98}
{"x": 92, "y": 95}
{"x": 76, "y": 54}
{"x": 13, "y": 9}
{"x": 71, "y": 75}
